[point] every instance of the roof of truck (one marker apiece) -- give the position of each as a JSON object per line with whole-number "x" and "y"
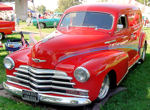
{"x": 110, "y": 8}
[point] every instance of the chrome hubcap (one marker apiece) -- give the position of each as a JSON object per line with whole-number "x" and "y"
{"x": 105, "y": 88}
{"x": 143, "y": 54}
{"x": 0, "y": 36}
{"x": 41, "y": 25}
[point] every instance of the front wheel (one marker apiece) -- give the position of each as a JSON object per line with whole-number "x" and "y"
{"x": 2, "y": 36}
{"x": 104, "y": 88}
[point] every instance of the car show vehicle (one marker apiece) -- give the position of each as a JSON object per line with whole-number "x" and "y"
{"x": 49, "y": 22}
{"x": 89, "y": 54}
{"x": 6, "y": 27}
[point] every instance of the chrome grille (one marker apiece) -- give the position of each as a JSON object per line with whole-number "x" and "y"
{"x": 45, "y": 81}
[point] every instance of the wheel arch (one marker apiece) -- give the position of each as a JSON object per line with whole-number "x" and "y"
{"x": 113, "y": 79}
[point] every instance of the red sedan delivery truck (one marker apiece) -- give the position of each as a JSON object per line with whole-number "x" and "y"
{"x": 90, "y": 53}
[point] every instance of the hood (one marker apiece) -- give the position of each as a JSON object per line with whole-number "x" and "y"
{"x": 52, "y": 49}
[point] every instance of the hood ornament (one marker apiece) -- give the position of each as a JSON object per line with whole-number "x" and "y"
{"x": 38, "y": 60}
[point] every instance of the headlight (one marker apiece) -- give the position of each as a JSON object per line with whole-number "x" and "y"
{"x": 81, "y": 74}
{"x": 9, "y": 63}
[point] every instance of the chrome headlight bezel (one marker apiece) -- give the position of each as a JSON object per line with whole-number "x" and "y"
{"x": 11, "y": 62}
{"x": 81, "y": 74}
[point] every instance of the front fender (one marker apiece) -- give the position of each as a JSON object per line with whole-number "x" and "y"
{"x": 98, "y": 64}
{"x": 20, "y": 57}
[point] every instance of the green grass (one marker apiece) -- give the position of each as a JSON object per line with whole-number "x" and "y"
{"x": 137, "y": 95}
{"x": 147, "y": 30}
{"x": 137, "y": 82}
{"x": 32, "y": 28}
{"x": 8, "y": 104}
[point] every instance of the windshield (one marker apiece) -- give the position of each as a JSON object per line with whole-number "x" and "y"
{"x": 88, "y": 19}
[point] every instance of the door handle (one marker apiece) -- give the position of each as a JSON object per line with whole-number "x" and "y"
{"x": 132, "y": 35}
{"x": 111, "y": 41}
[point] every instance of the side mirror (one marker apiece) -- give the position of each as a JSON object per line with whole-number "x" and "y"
{"x": 119, "y": 27}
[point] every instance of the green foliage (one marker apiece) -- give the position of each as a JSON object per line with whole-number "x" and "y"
{"x": 143, "y": 1}
{"x": 64, "y": 4}
{"x": 41, "y": 9}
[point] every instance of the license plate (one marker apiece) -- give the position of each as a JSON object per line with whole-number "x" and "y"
{"x": 30, "y": 96}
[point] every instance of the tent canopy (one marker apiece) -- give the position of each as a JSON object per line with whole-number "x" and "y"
{"x": 4, "y": 7}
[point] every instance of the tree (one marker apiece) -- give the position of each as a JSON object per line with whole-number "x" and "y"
{"x": 143, "y": 1}
{"x": 64, "y": 4}
{"x": 41, "y": 9}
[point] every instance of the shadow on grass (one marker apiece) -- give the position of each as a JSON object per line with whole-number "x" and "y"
{"x": 137, "y": 96}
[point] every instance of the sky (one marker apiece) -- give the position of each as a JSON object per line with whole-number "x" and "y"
{"x": 49, "y": 4}
{"x": 52, "y": 4}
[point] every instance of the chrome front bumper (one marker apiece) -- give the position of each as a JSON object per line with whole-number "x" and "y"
{"x": 67, "y": 101}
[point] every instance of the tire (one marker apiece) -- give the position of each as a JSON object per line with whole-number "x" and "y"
{"x": 42, "y": 25}
{"x": 105, "y": 88}
{"x": 2, "y": 36}
{"x": 143, "y": 55}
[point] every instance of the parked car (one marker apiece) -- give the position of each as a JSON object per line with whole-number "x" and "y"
{"x": 90, "y": 53}
{"x": 146, "y": 19}
{"x": 51, "y": 22}
{"x": 6, "y": 27}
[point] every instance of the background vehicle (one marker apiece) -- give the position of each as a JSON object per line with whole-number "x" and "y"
{"x": 6, "y": 27}
{"x": 90, "y": 53}
{"x": 51, "y": 22}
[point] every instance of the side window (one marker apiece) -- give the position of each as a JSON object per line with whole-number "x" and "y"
{"x": 134, "y": 19}
{"x": 122, "y": 22}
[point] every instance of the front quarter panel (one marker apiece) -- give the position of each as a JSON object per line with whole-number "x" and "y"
{"x": 99, "y": 65}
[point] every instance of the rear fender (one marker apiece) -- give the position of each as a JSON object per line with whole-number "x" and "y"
{"x": 142, "y": 40}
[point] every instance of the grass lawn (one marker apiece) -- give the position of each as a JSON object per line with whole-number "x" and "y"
{"x": 137, "y": 82}
{"x": 32, "y": 28}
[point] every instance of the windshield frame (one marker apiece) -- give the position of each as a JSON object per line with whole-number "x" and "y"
{"x": 113, "y": 18}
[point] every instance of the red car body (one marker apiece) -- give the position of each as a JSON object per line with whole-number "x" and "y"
{"x": 6, "y": 27}
{"x": 101, "y": 52}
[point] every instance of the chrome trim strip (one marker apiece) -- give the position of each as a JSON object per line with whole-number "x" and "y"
{"x": 24, "y": 66}
{"x": 68, "y": 101}
{"x": 22, "y": 70}
{"x": 38, "y": 60}
{"x": 42, "y": 71}
{"x": 49, "y": 76}
{"x": 44, "y": 81}
{"x": 16, "y": 78}
{"x": 40, "y": 81}
{"x": 22, "y": 75}
{"x": 45, "y": 76}
{"x": 111, "y": 41}
{"x": 51, "y": 92}
{"x": 46, "y": 86}
{"x": 6, "y": 28}
{"x": 17, "y": 83}
{"x": 72, "y": 89}
{"x": 57, "y": 74}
